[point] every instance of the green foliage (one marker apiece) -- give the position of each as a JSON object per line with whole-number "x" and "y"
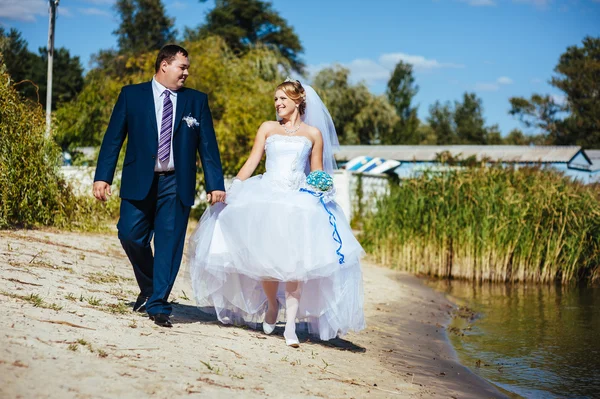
{"x": 489, "y": 224}
{"x": 469, "y": 121}
{"x": 19, "y": 61}
{"x": 144, "y": 26}
{"x": 401, "y": 89}
{"x": 462, "y": 123}
{"x": 577, "y": 120}
{"x": 67, "y": 76}
{"x": 517, "y": 137}
{"x": 31, "y": 70}
{"x": 244, "y": 24}
{"x": 32, "y": 192}
{"x": 359, "y": 116}
{"x": 82, "y": 122}
{"x": 542, "y": 113}
{"x": 441, "y": 121}
{"x": 579, "y": 78}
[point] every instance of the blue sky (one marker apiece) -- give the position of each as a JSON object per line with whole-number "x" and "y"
{"x": 496, "y": 48}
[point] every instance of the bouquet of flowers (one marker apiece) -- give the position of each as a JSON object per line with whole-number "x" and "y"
{"x": 319, "y": 180}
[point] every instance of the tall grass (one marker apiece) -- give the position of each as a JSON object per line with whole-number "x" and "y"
{"x": 32, "y": 192}
{"x": 489, "y": 224}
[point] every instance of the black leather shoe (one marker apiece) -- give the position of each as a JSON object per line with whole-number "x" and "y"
{"x": 140, "y": 303}
{"x": 162, "y": 320}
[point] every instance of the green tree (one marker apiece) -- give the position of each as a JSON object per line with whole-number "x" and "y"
{"x": 469, "y": 121}
{"x": 144, "y": 26}
{"x": 517, "y": 137}
{"x": 67, "y": 76}
{"x": 543, "y": 114}
{"x": 358, "y": 115}
{"x": 246, "y": 23}
{"x": 577, "y": 120}
{"x": 401, "y": 89}
{"x": 462, "y": 122}
{"x": 20, "y": 62}
{"x": 579, "y": 78}
{"x": 441, "y": 121}
{"x": 30, "y": 70}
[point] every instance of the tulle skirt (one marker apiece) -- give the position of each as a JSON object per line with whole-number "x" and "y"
{"x": 265, "y": 232}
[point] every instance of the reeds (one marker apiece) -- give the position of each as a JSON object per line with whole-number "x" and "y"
{"x": 486, "y": 223}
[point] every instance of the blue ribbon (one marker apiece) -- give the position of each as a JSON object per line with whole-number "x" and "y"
{"x": 332, "y": 220}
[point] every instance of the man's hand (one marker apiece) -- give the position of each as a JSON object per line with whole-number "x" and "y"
{"x": 101, "y": 189}
{"x": 215, "y": 196}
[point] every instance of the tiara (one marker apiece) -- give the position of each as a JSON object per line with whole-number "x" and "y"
{"x": 288, "y": 79}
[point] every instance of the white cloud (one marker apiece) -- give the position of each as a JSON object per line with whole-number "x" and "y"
{"x": 177, "y": 5}
{"x": 100, "y": 2}
{"x": 486, "y": 86}
{"x": 418, "y": 62}
{"x": 537, "y": 80}
{"x": 494, "y": 86}
{"x": 23, "y": 10}
{"x": 63, "y": 12}
{"x": 559, "y": 99}
{"x": 479, "y": 3}
{"x": 94, "y": 11}
{"x": 372, "y": 71}
{"x": 537, "y": 3}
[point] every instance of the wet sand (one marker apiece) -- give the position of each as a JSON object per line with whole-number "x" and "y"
{"x": 68, "y": 332}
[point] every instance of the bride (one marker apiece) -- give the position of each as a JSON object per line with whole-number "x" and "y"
{"x": 281, "y": 249}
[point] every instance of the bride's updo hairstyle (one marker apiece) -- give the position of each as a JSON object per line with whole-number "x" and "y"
{"x": 294, "y": 90}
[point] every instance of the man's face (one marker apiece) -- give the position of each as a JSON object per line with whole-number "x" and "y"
{"x": 176, "y": 72}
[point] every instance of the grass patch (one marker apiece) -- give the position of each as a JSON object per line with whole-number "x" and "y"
{"x": 103, "y": 278}
{"x": 116, "y": 308}
{"x": 93, "y": 301}
{"x": 71, "y": 297}
{"x": 33, "y": 299}
{"x": 212, "y": 368}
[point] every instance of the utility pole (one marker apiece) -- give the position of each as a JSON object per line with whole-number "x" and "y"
{"x": 52, "y": 10}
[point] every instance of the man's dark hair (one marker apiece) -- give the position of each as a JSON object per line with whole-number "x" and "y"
{"x": 168, "y": 53}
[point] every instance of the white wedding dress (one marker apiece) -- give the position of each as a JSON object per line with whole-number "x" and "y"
{"x": 271, "y": 230}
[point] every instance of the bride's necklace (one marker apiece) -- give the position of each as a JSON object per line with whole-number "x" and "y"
{"x": 293, "y": 130}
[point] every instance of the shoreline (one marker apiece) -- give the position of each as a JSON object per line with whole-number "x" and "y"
{"x": 421, "y": 332}
{"x": 69, "y": 328}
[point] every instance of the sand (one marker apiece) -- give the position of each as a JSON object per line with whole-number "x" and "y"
{"x": 67, "y": 331}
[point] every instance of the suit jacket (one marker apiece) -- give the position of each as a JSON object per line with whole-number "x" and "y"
{"x": 134, "y": 116}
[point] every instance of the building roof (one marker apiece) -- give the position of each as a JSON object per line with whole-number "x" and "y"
{"x": 594, "y": 156}
{"x": 428, "y": 153}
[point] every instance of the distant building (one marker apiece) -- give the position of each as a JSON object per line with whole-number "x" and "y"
{"x": 409, "y": 161}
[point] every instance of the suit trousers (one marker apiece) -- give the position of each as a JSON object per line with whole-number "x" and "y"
{"x": 163, "y": 216}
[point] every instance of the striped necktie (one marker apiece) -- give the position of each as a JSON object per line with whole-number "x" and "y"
{"x": 164, "y": 145}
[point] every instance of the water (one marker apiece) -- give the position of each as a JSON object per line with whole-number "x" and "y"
{"x": 531, "y": 340}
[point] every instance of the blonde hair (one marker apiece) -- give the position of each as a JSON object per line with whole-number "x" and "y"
{"x": 294, "y": 90}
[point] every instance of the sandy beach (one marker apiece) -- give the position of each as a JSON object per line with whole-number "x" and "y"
{"x": 68, "y": 331}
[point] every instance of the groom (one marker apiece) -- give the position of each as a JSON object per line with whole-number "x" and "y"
{"x": 165, "y": 124}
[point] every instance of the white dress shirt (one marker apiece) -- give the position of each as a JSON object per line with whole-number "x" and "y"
{"x": 159, "y": 97}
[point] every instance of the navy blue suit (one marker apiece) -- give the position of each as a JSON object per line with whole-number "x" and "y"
{"x": 152, "y": 204}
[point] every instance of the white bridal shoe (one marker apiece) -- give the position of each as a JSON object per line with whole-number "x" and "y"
{"x": 269, "y": 328}
{"x": 292, "y": 342}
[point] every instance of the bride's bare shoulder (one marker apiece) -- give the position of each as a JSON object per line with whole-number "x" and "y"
{"x": 314, "y": 133}
{"x": 269, "y": 124}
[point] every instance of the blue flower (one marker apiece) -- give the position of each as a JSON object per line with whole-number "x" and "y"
{"x": 319, "y": 180}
